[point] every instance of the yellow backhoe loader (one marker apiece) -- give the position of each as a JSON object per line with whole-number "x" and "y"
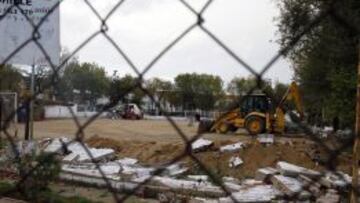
{"x": 256, "y": 114}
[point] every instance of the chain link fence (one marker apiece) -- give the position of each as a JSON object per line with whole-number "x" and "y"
{"x": 30, "y": 172}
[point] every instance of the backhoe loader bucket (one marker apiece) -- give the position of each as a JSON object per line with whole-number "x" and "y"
{"x": 205, "y": 126}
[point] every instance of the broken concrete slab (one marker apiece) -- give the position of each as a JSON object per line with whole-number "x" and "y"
{"x": 176, "y": 169}
{"x": 313, "y": 186}
{"x": 56, "y": 145}
{"x": 137, "y": 171}
{"x": 190, "y": 186}
{"x": 258, "y": 193}
{"x": 127, "y": 161}
{"x": 329, "y": 198}
{"x": 264, "y": 174}
{"x": 110, "y": 170}
{"x": 289, "y": 186}
{"x": 235, "y": 162}
{"x": 292, "y": 170}
{"x": 79, "y": 153}
{"x": 199, "y": 178}
{"x": 336, "y": 180}
{"x": 251, "y": 182}
{"x": 230, "y": 180}
{"x": 71, "y": 158}
{"x": 201, "y": 145}
{"x": 266, "y": 138}
{"x": 232, "y": 147}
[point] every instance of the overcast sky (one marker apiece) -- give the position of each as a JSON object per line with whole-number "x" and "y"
{"x": 142, "y": 28}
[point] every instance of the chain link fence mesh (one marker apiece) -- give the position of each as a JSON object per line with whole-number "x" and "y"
{"x": 31, "y": 171}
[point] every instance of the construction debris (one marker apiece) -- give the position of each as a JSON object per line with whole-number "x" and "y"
{"x": 232, "y": 147}
{"x": 286, "y": 181}
{"x": 258, "y": 193}
{"x": 201, "y": 145}
{"x": 81, "y": 153}
{"x": 264, "y": 174}
{"x": 266, "y": 138}
{"x": 186, "y": 185}
{"x": 292, "y": 170}
{"x": 127, "y": 161}
{"x": 331, "y": 196}
{"x": 336, "y": 180}
{"x": 290, "y": 186}
{"x": 176, "y": 169}
{"x": 77, "y": 152}
{"x": 199, "y": 178}
{"x": 57, "y": 145}
{"x": 295, "y": 182}
{"x": 235, "y": 162}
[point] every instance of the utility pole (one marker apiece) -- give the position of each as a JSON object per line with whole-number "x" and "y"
{"x": 32, "y": 94}
{"x": 1, "y": 117}
{"x": 356, "y": 149}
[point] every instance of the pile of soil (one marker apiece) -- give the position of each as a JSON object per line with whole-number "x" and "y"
{"x": 254, "y": 155}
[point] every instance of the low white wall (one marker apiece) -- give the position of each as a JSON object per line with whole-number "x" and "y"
{"x": 59, "y": 111}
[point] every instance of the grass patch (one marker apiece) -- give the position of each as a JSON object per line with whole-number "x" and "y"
{"x": 45, "y": 196}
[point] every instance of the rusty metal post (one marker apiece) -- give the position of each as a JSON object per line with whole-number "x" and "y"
{"x": 356, "y": 149}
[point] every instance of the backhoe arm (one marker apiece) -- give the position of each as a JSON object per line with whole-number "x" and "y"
{"x": 293, "y": 94}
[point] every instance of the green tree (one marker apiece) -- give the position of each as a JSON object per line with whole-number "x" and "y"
{"x": 164, "y": 91}
{"x": 199, "y": 91}
{"x": 126, "y": 90}
{"x": 325, "y": 59}
{"x": 10, "y": 79}
{"x": 242, "y": 86}
{"x": 89, "y": 79}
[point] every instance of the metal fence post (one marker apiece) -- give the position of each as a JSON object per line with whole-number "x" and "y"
{"x": 356, "y": 149}
{"x": 1, "y": 116}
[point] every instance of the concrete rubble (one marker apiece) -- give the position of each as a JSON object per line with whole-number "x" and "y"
{"x": 270, "y": 184}
{"x": 77, "y": 152}
{"x": 176, "y": 169}
{"x": 201, "y": 145}
{"x": 290, "y": 186}
{"x": 265, "y": 138}
{"x": 235, "y": 162}
{"x": 232, "y": 147}
{"x": 263, "y": 174}
{"x": 292, "y": 170}
{"x": 285, "y": 181}
{"x": 258, "y": 193}
{"x": 199, "y": 178}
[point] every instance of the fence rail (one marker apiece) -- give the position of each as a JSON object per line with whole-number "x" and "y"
{"x": 29, "y": 172}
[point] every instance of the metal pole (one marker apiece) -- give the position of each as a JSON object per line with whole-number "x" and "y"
{"x": 32, "y": 91}
{"x": 356, "y": 149}
{"x": 1, "y": 117}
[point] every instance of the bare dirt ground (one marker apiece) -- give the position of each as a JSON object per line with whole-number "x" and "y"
{"x": 156, "y": 142}
{"x": 121, "y": 130}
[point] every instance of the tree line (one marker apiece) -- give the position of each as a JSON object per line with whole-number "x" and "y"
{"x": 86, "y": 82}
{"x": 326, "y": 57}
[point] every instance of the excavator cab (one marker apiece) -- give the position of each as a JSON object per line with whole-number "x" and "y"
{"x": 258, "y": 103}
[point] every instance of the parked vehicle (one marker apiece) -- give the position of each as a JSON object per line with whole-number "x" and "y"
{"x": 132, "y": 111}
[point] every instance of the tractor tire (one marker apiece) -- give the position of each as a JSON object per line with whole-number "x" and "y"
{"x": 255, "y": 125}
{"x": 232, "y": 128}
{"x": 223, "y": 128}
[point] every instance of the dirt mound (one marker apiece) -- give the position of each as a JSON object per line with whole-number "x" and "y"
{"x": 147, "y": 152}
{"x": 254, "y": 155}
